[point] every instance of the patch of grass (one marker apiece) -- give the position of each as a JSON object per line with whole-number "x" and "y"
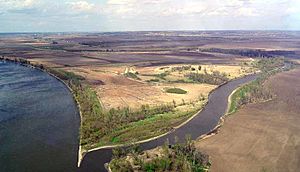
{"x": 162, "y": 75}
{"x": 65, "y": 75}
{"x": 176, "y": 91}
{"x": 115, "y": 140}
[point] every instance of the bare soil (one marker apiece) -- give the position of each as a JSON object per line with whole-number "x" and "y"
{"x": 263, "y": 136}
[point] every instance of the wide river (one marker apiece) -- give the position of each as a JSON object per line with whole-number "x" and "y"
{"x": 39, "y": 122}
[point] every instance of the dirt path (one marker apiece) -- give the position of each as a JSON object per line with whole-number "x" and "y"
{"x": 261, "y": 137}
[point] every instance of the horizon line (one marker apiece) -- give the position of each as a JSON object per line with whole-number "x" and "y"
{"x": 171, "y": 30}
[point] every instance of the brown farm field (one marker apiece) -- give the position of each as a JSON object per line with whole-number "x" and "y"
{"x": 263, "y": 136}
{"x": 118, "y": 91}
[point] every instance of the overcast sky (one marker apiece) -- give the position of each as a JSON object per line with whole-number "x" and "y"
{"x": 135, "y": 15}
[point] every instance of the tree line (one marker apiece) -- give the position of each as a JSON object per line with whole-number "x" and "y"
{"x": 215, "y": 78}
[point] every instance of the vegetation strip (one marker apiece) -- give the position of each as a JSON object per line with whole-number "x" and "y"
{"x": 255, "y": 91}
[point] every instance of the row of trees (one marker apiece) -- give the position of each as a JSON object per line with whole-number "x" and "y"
{"x": 185, "y": 68}
{"x": 215, "y": 78}
{"x": 249, "y": 52}
{"x": 256, "y": 91}
{"x": 22, "y": 61}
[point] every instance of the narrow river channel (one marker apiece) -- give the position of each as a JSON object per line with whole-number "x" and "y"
{"x": 39, "y": 122}
{"x": 201, "y": 124}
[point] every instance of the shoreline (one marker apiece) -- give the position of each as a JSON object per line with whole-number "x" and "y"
{"x": 222, "y": 119}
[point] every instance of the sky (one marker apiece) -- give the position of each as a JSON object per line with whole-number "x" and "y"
{"x": 147, "y": 15}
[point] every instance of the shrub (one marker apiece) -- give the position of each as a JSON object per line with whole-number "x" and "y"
{"x": 132, "y": 75}
{"x": 153, "y": 80}
{"x": 176, "y": 91}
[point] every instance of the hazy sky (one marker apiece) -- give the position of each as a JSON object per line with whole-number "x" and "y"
{"x": 130, "y": 15}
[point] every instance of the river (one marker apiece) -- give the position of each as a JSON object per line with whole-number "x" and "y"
{"x": 39, "y": 122}
{"x": 201, "y": 124}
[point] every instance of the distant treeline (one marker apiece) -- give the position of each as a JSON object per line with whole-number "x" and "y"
{"x": 22, "y": 61}
{"x": 250, "y": 52}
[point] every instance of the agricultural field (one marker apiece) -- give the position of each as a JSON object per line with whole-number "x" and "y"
{"x": 262, "y": 136}
{"x": 127, "y": 86}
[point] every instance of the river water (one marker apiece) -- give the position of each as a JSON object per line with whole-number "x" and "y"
{"x": 39, "y": 122}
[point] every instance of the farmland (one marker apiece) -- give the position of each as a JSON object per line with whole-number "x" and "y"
{"x": 130, "y": 81}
